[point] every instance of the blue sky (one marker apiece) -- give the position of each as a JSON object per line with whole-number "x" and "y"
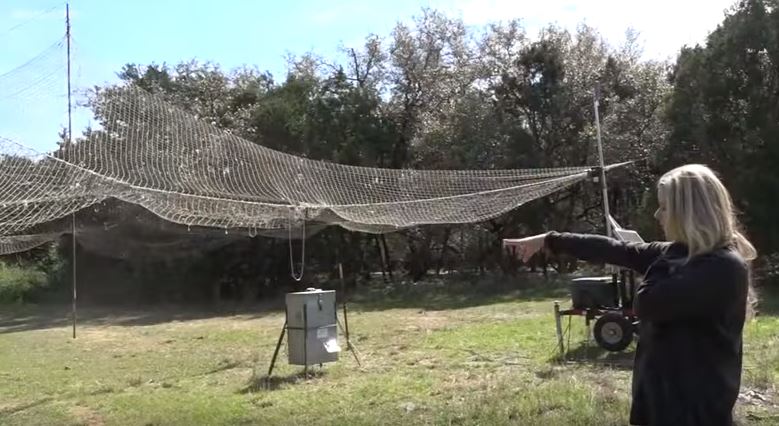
{"x": 232, "y": 33}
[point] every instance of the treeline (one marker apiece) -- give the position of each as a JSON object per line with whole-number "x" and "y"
{"x": 436, "y": 95}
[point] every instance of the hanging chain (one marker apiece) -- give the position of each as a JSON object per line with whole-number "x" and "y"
{"x": 295, "y": 276}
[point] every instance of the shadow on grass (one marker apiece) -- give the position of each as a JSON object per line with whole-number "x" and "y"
{"x": 441, "y": 293}
{"x": 592, "y": 354}
{"x": 272, "y": 383}
{"x": 436, "y": 293}
{"x": 38, "y": 317}
{"x": 459, "y": 292}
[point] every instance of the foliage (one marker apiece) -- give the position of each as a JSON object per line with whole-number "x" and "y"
{"x": 18, "y": 283}
{"x": 724, "y": 111}
{"x": 437, "y": 94}
{"x": 29, "y": 276}
{"x": 431, "y": 353}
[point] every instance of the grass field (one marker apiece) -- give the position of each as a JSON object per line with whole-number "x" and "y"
{"x": 433, "y": 353}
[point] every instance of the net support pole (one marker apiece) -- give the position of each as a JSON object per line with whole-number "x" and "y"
{"x": 75, "y": 287}
{"x": 559, "y": 328}
{"x": 604, "y": 187}
{"x": 70, "y": 144}
{"x": 349, "y": 345}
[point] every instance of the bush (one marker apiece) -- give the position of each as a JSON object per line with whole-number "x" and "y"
{"x": 18, "y": 283}
{"x": 767, "y": 268}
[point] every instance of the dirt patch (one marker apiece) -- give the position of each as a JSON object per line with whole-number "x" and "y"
{"x": 758, "y": 398}
{"x": 610, "y": 388}
{"x": 7, "y": 409}
{"x": 114, "y": 340}
{"x": 425, "y": 321}
{"x": 102, "y": 334}
{"x": 9, "y": 406}
{"x": 87, "y": 416}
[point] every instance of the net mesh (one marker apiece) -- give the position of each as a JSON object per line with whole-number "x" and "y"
{"x": 169, "y": 180}
{"x": 42, "y": 76}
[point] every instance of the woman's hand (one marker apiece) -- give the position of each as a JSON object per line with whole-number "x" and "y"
{"x": 525, "y": 248}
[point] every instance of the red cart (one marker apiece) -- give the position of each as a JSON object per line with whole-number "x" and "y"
{"x": 608, "y": 301}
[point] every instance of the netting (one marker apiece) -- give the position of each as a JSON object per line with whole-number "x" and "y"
{"x": 160, "y": 176}
{"x": 163, "y": 181}
{"x": 42, "y": 76}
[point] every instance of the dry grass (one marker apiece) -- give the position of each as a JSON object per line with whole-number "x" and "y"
{"x": 445, "y": 353}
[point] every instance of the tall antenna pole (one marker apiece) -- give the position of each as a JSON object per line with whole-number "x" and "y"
{"x": 606, "y": 214}
{"x": 70, "y": 146}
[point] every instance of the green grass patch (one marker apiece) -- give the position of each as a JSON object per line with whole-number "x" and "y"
{"x": 18, "y": 283}
{"x": 467, "y": 353}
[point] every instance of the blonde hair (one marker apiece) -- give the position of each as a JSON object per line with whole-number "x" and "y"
{"x": 700, "y": 213}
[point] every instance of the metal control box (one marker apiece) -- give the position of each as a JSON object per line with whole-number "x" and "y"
{"x": 312, "y": 327}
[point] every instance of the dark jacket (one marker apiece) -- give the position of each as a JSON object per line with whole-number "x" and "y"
{"x": 687, "y": 368}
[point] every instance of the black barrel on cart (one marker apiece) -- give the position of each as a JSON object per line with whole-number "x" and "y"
{"x": 594, "y": 293}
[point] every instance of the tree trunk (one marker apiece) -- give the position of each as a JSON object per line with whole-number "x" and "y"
{"x": 387, "y": 258}
{"x": 381, "y": 259}
{"x": 442, "y": 254}
{"x": 480, "y": 246}
{"x": 463, "y": 256}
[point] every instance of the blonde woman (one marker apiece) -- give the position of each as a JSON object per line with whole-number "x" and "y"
{"x": 692, "y": 303}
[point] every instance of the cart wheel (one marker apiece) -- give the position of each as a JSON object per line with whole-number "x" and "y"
{"x": 613, "y": 332}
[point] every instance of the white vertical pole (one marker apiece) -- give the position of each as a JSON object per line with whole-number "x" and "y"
{"x": 70, "y": 146}
{"x": 602, "y": 166}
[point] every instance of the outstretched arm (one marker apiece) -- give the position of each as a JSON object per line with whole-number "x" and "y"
{"x": 591, "y": 248}
{"x": 601, "y": 249}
